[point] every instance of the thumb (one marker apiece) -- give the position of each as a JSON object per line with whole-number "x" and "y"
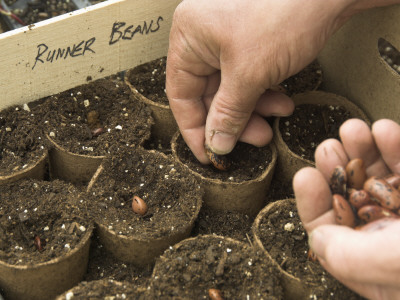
{"x": 229, "y": 113}
{"x": 368, "y": 256}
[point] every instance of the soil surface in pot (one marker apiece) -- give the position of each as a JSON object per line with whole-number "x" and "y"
{"x": 104, "y": 289}
{"x": 283, "y": 236}
{"x": 170, "y": 192}
{"x": 21, "y": 140}
{"x": 247, "y": 162}
{"x": 39, "y": 10}
{"x": 210, "y": 262}
{"x": 39, "y": 221}
{"x": 95, "y": 118}
{"x": 309, "y": 125}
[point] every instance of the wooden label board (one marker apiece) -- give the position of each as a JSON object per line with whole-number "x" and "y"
{"x": 63, "y": 52}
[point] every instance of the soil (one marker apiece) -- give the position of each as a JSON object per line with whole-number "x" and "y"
{"x": 104, "y": 289}
{"x": 39, "y": 10}
{"x": 50, "y": 210}
{"x": 241, "y": 168}
{"x": 149, "y": 80}
{"x": 169, "y": 190}
{"x": 283, "y": 236}
{"x": 189, "y": 270}
{"x": 96, "y": 118}
{"x": 308, "y": 79}
{"x": 21, "y": 140}
{"x": 309, "y": 125}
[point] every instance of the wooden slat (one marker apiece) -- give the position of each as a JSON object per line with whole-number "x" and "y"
{"x": 96, "y": 41}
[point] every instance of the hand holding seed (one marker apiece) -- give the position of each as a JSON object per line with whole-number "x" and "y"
{"x": 367, "y": 260}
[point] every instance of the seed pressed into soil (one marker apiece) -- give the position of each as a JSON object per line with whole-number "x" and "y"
{"x": 196, "y": 265}
{"x": 71, "y": 118}
{"x": 283, "y": 236}
{"x": 170, "y": 192}
{"x": 47, "y": 210}
{"x": 247, "y": 162}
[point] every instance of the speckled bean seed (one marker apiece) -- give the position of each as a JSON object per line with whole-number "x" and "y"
{"x": 356, "y": 173}
{"x": 393, "y": 180}
{"x": 139, "y": 206}
{"x": 359, "y": 198}
{"x": 344, "y": 214}
{"x": 215, "y": 294}
{"x": 218, "y": 161}
{"x": 338, "y": 181}
{"x": 369, "y": 213}
{"x": 387, "y": 196}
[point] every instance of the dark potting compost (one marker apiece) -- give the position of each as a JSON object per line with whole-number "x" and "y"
{"x": 39, "y": 221}
{"x": 247, "y": 162}
{"x": 95, "y": 118}
{"x": 308, "y": 79}
{"x": 194, "y": 266}
{"x": 283, "y": 236}
{"x": 103, "y": 289}
{"x": 149, "y": 80}
{"x": 311, "y": 124}
{"x": 169, "y": 191}
{"x": 21, "y": 140}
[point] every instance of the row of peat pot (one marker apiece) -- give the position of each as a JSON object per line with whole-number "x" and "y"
{"x": 174, "y": 194}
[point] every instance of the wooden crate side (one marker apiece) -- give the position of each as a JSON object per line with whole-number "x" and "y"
{"x": 63, "y": 52}
{"x": 354, "y": 68}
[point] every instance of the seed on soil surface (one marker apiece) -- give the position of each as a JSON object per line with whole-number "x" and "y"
{"x": 97, "y": 131}
{"x": 344, "y": 214}
{"x": 39, "y": 243}
{"x": 93, "y": 119}
{"x": 311, "y": 255}
{"x": 218, "y": 161}
{"x": 356, "y": 173}
{"x": 215, "y": 294}
{"x": 387, "y": 196}
{"x": 139, "y": 206}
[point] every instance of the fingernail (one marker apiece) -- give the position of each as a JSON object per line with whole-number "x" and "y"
{"x": 316, "y": 241}
{"x": 222, "y": 143}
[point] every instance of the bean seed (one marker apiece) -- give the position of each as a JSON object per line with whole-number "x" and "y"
{"x": 356, "y": 173}
{"x": 218, "y": 161}
{"x": 370, "y": 213}
{"x": 338, "y": 181}
{"x": 387, "y": 196}
{"x": 311, "y": 255}
{"x": 393, "y": 180}
{"x": 39, "y": 243}
{"x": 344, "y": 214}
{"x": 359, "y": 198}
{"x": 139, "y": 206}
{"x": 215, "y": 294}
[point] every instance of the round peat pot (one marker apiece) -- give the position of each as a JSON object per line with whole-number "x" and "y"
{"x": 103, "y": 289}
{"x": 164, "y": 122}
{"x": 49, "y": 279}
{"x": 245, "y": 196}
{"x": 35, "y": 171}
{"x": 290, "y": 162}
{"x": 71, "y": 167}
{"x": 171, "y": 199}
{"x": 209, "y": 265}
{"x": 293, "y": 287}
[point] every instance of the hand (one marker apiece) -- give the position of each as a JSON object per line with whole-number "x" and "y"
{"x": 366, "y": 261}
{"x": 224, "y": 57}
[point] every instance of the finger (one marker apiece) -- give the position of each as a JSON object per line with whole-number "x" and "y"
{"x": 274, "y": 104}
{"x": 386, "y": 134}
{"x": 329, "y": 154}
{"x": 313, "y": 198}
{"x": 357, "y": 256}
{"x": 358, "y": 142}
{"x": 186, "y": 82}
{"x": 257, "y": 132}
{"x": 231, "y": 109}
